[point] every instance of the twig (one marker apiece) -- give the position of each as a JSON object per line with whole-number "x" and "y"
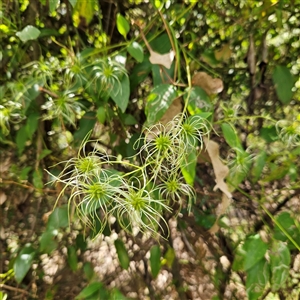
{"x": 14, "y": 289}
{"x": 48, "y": 92}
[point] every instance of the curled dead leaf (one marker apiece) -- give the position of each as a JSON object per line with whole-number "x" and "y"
{"x": 162, "y": 59}
{"x": 207, "y": 83}
{"x": 221, "y": 171}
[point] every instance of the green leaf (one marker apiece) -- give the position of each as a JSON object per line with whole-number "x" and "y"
{"x": 140, "y": 72}
{"x": 88, "y": 270}
{"x": 169, "y": 257}
{"x": 136, "y": 51}
{"x": 198, "y": 101}
{"x": 122, "y": 25}
{"x": 90, "y": 290}
{"x": 72, "y": 258}
{"x": 81, "y": 242}
{"x": 86, "y": 124}
{"x": 122, "y": 254}
{"x": 59, "y": 218}
{"x": 231, "y": 136}
{"x": 84, "y": 11}
{"x": 47, "y": 241}
{"x": 269, "y": 134}
{"x": 159, "y": 100}
{"x": 120, "y": 93}
{"x": 32, "y": 124}
{"x": 258, "y": 166}
{"x": 257, "y": 278}
{"x": 23, "y": 262}
{"x": 44, "y": 153}
{"x": 101, "y": 114}
{"x": 284, "y": 82}
{"x": 28, "y": 33}
{"x": 280, "y": 260}
{"x": 129, "y": 120}
{"x": 52, "y": 5}
{"x": 155, "y": 260}
{"x": 3, "y": 296}
{"x": 247, "y": 255}
{"x": 24, "y": 173}
{"x": 115, "y": 294}
{"x": 255, "y": 249}
{"x": 21, "y": 139}
{"x": 289, "y": 225}
{"x": 188, "y": 168}
{"x": 73, "y": 2}
{"x": 38, "y": 179}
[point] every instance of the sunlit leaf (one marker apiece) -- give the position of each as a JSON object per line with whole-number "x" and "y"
{"x": 101, "y": 114}
{"x": 136, "y": 51}
{"x": 231, "y": 136}
{"x": 122, "y": 25}
{"x": 28, "y": 33}
{"x": 90, "y": 290}
{"x": 189, "y": 167}
{"x": 169, "y": 257}
{"x": 52, "y": 5}
{"x": 84, "y": 12}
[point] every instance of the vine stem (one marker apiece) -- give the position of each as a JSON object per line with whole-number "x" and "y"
{"x": 280, "y": 227}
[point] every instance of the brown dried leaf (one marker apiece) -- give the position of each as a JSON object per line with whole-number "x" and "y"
{"x": 3, "y": 198}
{"x": 162, "y": 59}
{"x": 207, "y": 83}
{"x": 221, "y": 209}
{"x": 251, "y": 56}
{"x": 264, "y": 55}
{"x": 174, "y": 109}
{"x": 221, "y": 171}
{"x": 224, "y": 53}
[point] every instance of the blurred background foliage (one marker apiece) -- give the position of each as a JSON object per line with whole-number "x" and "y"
{"x": 72, "y": 67}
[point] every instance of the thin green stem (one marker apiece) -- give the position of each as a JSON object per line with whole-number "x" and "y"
{"x": 272, "y": 218}
{"x": 280, "y": 227}
{"x": 245, "y": 118}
